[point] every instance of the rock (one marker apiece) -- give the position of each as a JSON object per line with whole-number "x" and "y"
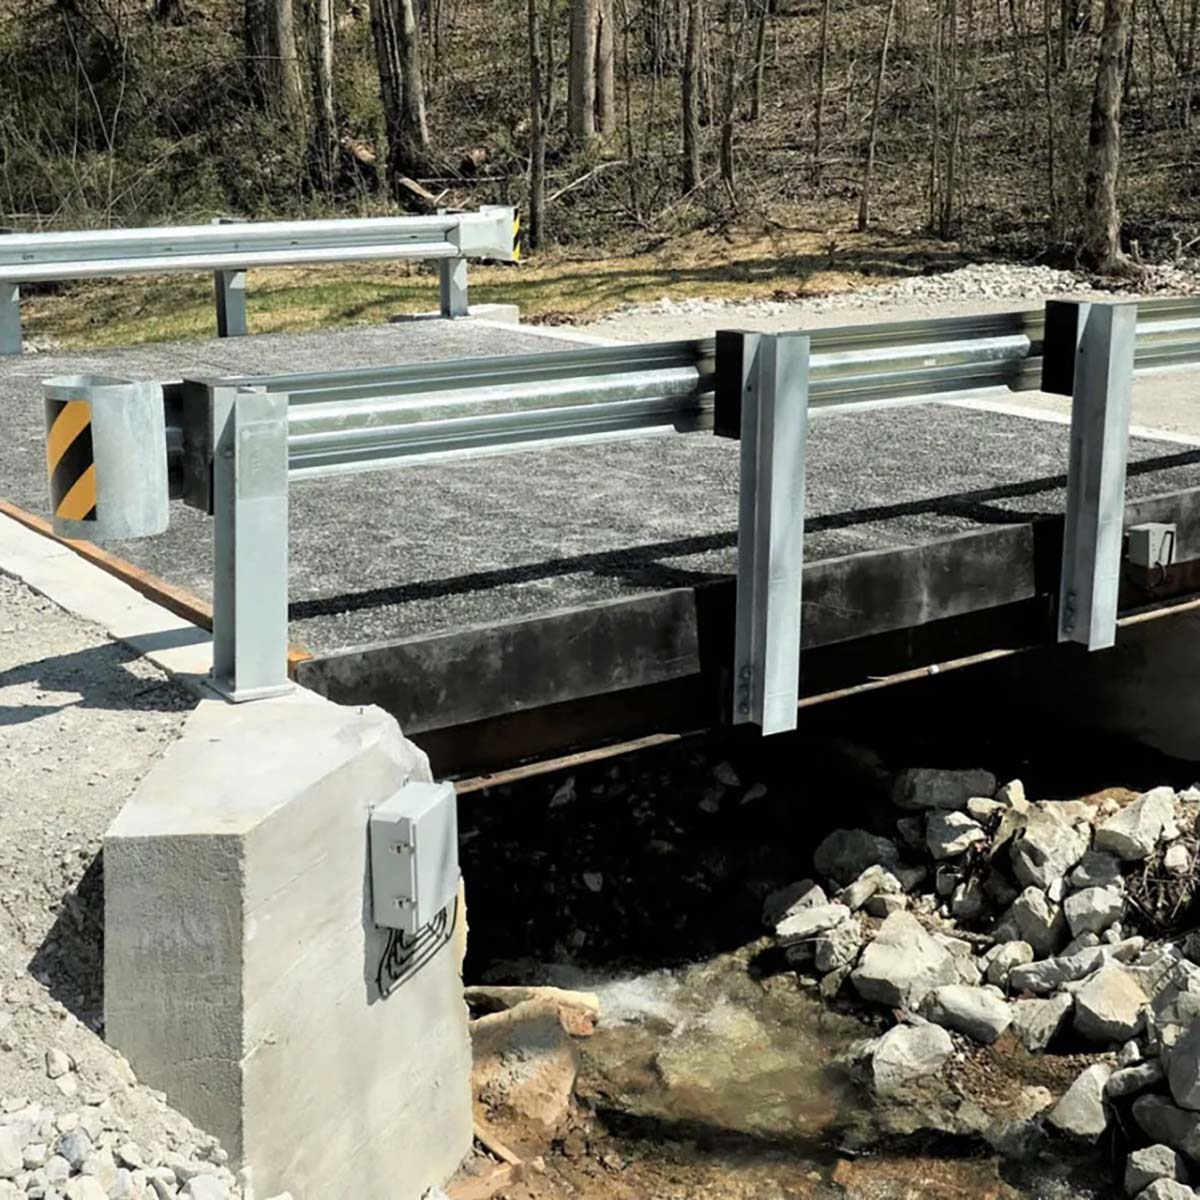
{"x": 101, "y": 1165}
{"x": 75, "y": 1146}
{"x": 983, "y": 810}
{"x": 804, "y": 924}
{"x": 129, "y": 1154}
{"x": 883, "y": 904}
{"x": 1183, "y": 1069}
{"x": 1034, "y": 919}
{"x": 872, "y": 880}
{"x": 902, "y": 964}
{"x": 1046, "y": 849}
{"x": 945, "y": 879}
{"x": 908, "y": 1052}
{"x": 1148, "y": 1164}
{"x": 1081, "y": 1112}
{"x": 1004, "y": 957}
{"x": 1162, "y": 1121}
{"x": 1177, "y": 859}
{"x": 846, "y": 853}
{"x": 205, "y": 1187}
{"x": 967, "y": 902}
{"x": 1130, "y": 1053}
{"x": 912, "y": 832}
{"x": 1167, "y": 1189}
{"x": 1012, "y": 794}
{"x": 973, "y": 1011}
{"x": 781, "y": 904}
{"x": 1093, "y": 909}
{"x": 930, "y": 787}
{"x": 1133, "y": 833}
{"x": 84, "y": 1187}
{"x": 1037, "y": 1022}
{"x": 1109, "y": 1006}
{"x": 35, "y": 1155}
{"x": 1129, "y": 1081}
{"x": 12, "y": 1161}
{"x": 57, "y": 1063}
{"x": 838, "y": 946}
{"x": 57, "y": 1169}
{"x": 1096, "y": 869}
{"x": 949, "y": 834}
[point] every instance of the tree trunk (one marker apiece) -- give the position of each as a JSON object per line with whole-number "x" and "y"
{"x": 1102, "y": 232}
{"x": 581, "y": 79}
{"x": 325, "y": 124}
{"x": 760, "y": 59}
{"x": 691, "y": 99}
{"x": 398, "y": 57}
{"x": 274, "y": 66}
{"x": 606, "y": 99}
{"x": 729, "y": 102}
{"x": 864, "y": 199}
{"x": 822, "y": 68}
{"x": 536, "y": 225}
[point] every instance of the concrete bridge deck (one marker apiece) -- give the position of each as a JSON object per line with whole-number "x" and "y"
{"x": 459, "y": 594}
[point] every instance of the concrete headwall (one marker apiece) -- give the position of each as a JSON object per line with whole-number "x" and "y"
{"x": 241, "y": 958}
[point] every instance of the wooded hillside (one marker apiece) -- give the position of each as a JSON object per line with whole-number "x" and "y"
{"x": 994, "y": 122}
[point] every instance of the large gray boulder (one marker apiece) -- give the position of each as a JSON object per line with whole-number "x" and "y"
{"x": 1146, "y": 1165}
{"x": 1047, "y": 848}
{"x": 949, "y": 834}
{"x": 1162, "y": 1121}
{"x": 929, "y": 787}
{"x": 1037, "y": 1022}
{"x": 906, "y": 1053}
{"x": 1183, "y": 1069}
{"x": 1035, "y": 919}
{"x": 838, "y": 945}
{"x": 1096, "y": 869}
{"x": 1093, "y": 909}
{"x": 804, "y": 893}
{"x": 973, "y": 1011}
{"x": 1167, "y": 1189}
{"x": 902, "y": 964}
{"x": 846, "y": 853}
{"x": 1133, "y": 833}
{"x": 1081, "y": 1111}
{"x": 1003, "y": 958}
{"x": 803, "y": 924}
{"x": 1109, "y": 1007}
{"x": 1130, "y": 1081}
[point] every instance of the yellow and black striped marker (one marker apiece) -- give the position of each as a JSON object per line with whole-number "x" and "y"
{"x": 70, "y": 459}
{"x": 516, "y": 239}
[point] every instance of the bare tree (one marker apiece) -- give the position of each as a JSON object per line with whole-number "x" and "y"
{"x": 273, "y": 64}
{"x": 1102, "y": 229}
{"x": 760, "y": 58}
{"x": 581, "y": 76}
{"x": 325, "y": 145}
{"x": 398, "y": 57}
{"x": 606, "y": 100}
{"x": 822, "y": 68}
{"x": 689, "y": 92}
{"x": 864, "y": 199}
{"x": 541, "y": 111}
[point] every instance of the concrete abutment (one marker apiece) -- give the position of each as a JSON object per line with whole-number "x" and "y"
{"x": 241, "y": 958}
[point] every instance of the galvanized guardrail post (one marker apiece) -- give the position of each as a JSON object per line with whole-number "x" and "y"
{"x": 1089, "y": 355}
{"x": 230, "y": 287}
{"x": 771, "y": 374}
{"x": 250, "y": 543}
{"x": 452, "y": 287}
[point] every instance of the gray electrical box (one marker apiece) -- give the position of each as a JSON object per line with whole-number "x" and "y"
{"x": 414, "y": 855}
{"x": 1152, "y": 545}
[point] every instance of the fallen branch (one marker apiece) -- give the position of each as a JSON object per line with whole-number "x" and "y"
{"x": 604, "y": 166}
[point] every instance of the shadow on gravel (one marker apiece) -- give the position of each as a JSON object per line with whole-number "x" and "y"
{"x": 99, "y": 677}
{"x": 70, "y": 962}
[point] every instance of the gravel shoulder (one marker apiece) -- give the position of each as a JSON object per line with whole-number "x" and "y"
{"x": 82, "y": 719}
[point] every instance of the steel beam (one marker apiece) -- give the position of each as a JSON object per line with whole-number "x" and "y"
{"x": 452, "y": 287}
{"x": 1093, "y": 350}
{"x": 250, "y": 544}
{"x": 774, "y": 374}
{"x": 230, "y": 287}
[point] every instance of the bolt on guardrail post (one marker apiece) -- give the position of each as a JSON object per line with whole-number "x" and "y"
{"x": 772, "y": 372}
{"x": 1089, "y": 355}
{"x": 452, "y": 287}
{"x": 250, "y": 543}
{"x": 230, "y": 288}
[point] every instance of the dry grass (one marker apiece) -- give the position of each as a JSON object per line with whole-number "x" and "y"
{"x": 746, "y": 264}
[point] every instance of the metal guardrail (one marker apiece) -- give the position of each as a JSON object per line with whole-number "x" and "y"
{"x": 240, "y": 440}
{"x": 230, "y": 248}
{"x": 384, "y": 417}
